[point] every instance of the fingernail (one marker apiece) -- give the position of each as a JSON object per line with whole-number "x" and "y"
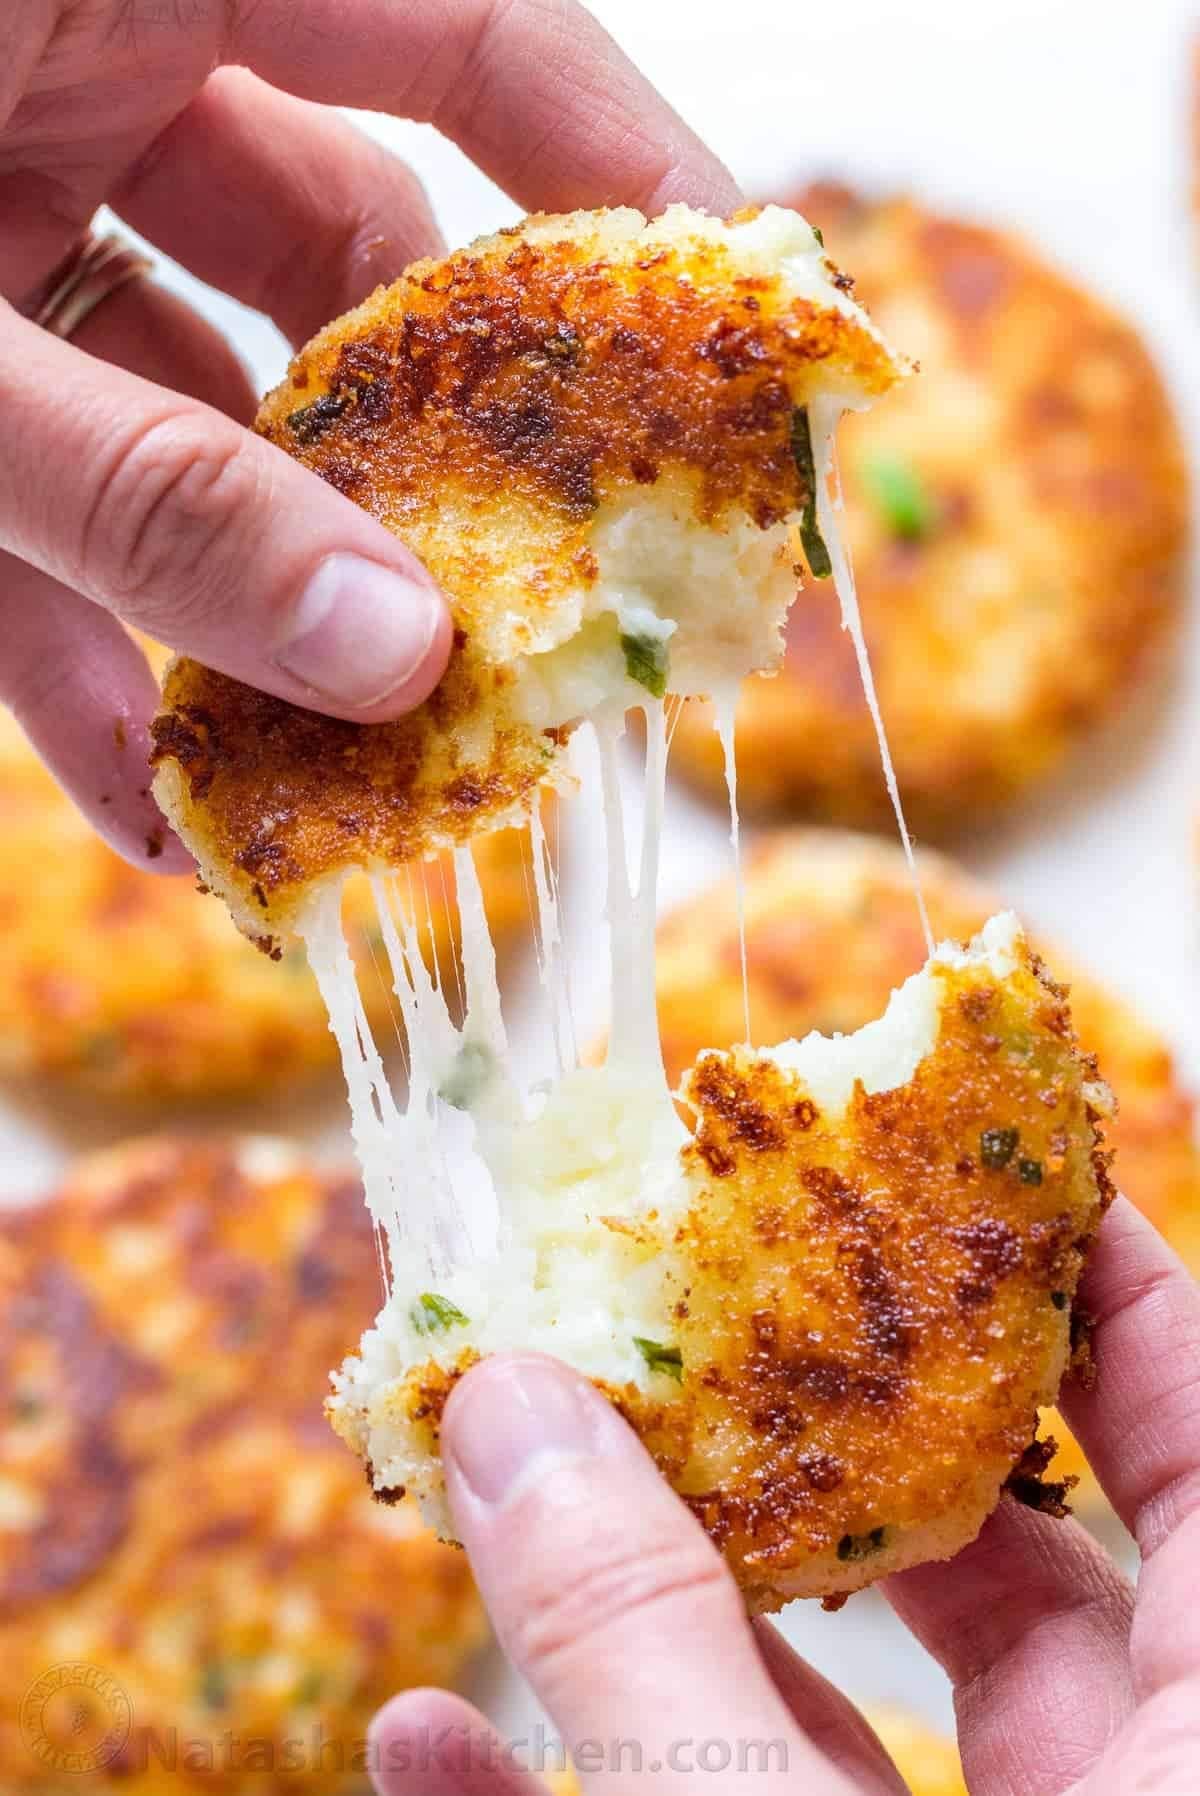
{"x": 513, "y": 1418}
{"x": 359, "y": 632}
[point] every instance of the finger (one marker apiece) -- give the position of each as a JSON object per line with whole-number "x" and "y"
{"x": 281, "y": 203}
{"x": 80, "y": 688}
{"x": 535, "y": 92}
{"x": 207, "y": 537}
{"x": 1139, "y": 1424}
{"x": 430, "y": 1743}
{"x": 829, "y": 1719}
{"x": 607, "y": 1594}
{"x": 1138, "y": 1421}
{"x": 1031, "y": 1623}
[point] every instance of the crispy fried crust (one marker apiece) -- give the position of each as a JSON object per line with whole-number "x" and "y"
{"x": 176, "y": 1512}
{"x": 831, "y": 929}
{"x": 870, "y": 1308}
{"x": 133, "y": 988}
{"x": 1034, "y": 584}
{"x": 484, "y": 408}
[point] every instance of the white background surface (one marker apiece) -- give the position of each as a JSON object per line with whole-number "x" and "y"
{"x": 1067, "y": 118}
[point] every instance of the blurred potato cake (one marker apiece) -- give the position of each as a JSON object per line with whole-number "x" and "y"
{"x": 133, "y": 987}
{"x": 1017, "y": 519}
{"x": 174, "y": 1514}
{"x": 832, "y": 928}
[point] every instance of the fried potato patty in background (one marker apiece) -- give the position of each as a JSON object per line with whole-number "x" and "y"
{"x": 173, "y": 1508}
{"x": 1017, "y": 520}
{"x": 137, "y": 988}
{"x": 832, "y": 928}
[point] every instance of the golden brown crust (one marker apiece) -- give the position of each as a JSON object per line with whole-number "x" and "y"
{"x": 176, "y": 1512}
{"x": 1035, "y": 582}
{"x": 132, "y": 987}
{"x": 484, "y": 408}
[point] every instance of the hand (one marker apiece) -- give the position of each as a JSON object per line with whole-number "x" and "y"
{"x": 614, "y": 1605}
{"x": 122, "y": 496}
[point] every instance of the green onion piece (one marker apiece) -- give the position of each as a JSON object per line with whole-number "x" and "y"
{"x": 465, "y": 1081}
{"x": 1029, "y": 1172}
{"x": 861, "y": 1546}
{"x": 997, "y": 1147}
{"x": 819, "y": 235}
{"x": 904, "y": 500}
{"x": 646, "y": 662}
{"x": 668, "y": 1360}
{"x": 432, "y": 1314}
{"x": 819, "y": 564}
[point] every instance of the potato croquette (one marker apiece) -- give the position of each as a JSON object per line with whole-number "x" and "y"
{"x": 133, "y": 987}
{"x": 832, "y": 1314}
{"x": 173, "y": 1510}
{"x": 1017, "y": 520}
{"x": 831, "y": 929}
{"x": 603, "y": 437}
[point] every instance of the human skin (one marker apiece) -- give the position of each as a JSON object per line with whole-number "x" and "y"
{"x": 130, "y": 489}
{"x": 613, "y": 1603}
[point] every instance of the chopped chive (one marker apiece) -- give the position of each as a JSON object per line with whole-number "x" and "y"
{"x": 667, "y": 1360}
{"x": 901, "y": 496}
{"x": 646, "y": 661}
{"x": 861, "y": 1546}
{"x": 819, "y": 235}
{"x": 1029, "y": 1172}
{"x": 432, "y": 1314}
{"x": 467, "y": 1078}
{"x": 997, "y": 1147}
{"x": 819, "y": 564}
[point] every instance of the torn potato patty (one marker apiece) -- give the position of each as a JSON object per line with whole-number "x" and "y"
{"x": 860, "y": 1294}
{"x": 831, "y": 929}
{"x": 1017, "y": 518}
{"x": 134, "y": 988}
{"x": 594, "y": 431}
{"x": 173, "y": 1510}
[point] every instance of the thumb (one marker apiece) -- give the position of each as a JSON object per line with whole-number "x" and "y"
{"x": 209, "y": 539}
{"x": 608, "y": 1595}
